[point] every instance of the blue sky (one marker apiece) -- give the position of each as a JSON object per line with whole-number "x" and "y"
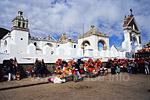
{"x": 57, "y": 16}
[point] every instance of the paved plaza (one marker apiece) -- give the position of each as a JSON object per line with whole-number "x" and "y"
{"x": 124, "y": 86}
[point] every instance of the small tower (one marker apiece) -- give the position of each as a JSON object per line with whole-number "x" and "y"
{"x": 132, "y": 34}
{"x": 19, "y": 23}
{"x": 20, "y": 32}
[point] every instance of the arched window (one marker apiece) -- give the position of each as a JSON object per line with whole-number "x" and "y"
{"x": 49, "y": 44}
{"x": 134, "y": 43}
{"x": 5, "y": 43}
{"x": 35, "y": 44}
{"x": 85, "y": 44}
{"x": 101, "y": 45}
{"x": 23, "y": 25}
{"x": 19, "y": 24}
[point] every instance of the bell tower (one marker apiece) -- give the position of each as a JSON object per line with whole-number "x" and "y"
{"x": 19, "y": 23}
{"x": 132, "y": 34}
{"x": 20, "y": 32}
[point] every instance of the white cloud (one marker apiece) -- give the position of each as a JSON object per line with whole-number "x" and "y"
{"x": 56, "y": 16}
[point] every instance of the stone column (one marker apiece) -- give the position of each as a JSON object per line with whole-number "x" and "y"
{"x": 21, "y": 23}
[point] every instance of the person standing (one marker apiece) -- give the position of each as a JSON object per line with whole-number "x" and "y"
{"x": 44, "y": 69}
{"x": 10, "y": 69}
{"x": 134, "y": 65}
{"x": 118, "y": 68}
{"x": 129, "y": 66}
{"x": 16, "y": 70}
{"x": 146, "y": 67}
{"x": 39, "y": 68}
{"x": 1, "y": 75}
{"x": 113, "y": 68}
{"x": 13, "y": 70}
{"x": 77, "y": 65}
{"x": 36, "y": 67}
{"x": 125, "y": 66}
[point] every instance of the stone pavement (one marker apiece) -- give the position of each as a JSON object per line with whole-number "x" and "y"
{"x": 25, "y": 82}
{"x": 111, "y": 87}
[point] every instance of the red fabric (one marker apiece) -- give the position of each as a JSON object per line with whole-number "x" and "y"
{"x": 90, "y": 59}
{"x": 74, "y": 72}
{"x": 30, "y": 70}
{"x": 82, "y": 71}
{"x": 90, "y": 69}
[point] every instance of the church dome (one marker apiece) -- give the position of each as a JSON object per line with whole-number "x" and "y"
{"x": 63, "y": 38}
{"x": 92, "y": 31}
{"x": 20, "y": 18}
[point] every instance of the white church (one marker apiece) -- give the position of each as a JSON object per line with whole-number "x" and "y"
{"x": 20, "y": 44}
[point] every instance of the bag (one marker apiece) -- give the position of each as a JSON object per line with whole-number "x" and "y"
{"x": 58, "y": 80}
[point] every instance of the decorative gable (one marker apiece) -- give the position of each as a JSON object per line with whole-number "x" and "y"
{"x": 114, "y": 49}
{"x": 130, "y": 23}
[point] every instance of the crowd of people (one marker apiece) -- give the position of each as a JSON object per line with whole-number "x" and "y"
{"x": 127, "y": 65}
{"x": 13, "y": 71}
{"x": 39, "y": 69}
{"x": 92, "y": 68}
{"x": 66, "y": 71}
{"x": 71, "y": 70}
{"x": 11, "y": 68}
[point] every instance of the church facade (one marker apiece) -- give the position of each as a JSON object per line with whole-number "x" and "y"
{"x": 20, "y": 44}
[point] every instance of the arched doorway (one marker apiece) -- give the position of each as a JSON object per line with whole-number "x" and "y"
{"x": 134, "y": 43}
{"x": 101, "y": 45}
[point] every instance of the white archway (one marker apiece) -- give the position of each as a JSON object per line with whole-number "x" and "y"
{"x": 134, "y": 43}
{"x": 101, "y": 45}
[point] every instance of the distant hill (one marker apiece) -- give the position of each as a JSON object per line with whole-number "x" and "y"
{"x": 3, "y": 32}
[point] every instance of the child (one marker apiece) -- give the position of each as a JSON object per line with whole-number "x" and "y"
{"x": 118, "y": 70}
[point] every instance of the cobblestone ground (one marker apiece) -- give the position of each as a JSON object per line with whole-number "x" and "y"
{"x": 111, "y": 87}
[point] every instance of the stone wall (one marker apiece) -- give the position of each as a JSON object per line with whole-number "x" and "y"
{"x": 50, "y": 67}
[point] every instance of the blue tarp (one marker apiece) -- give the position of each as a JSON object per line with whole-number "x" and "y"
{"x": 81, "y": 57}
{"x": 3, "y": 53}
